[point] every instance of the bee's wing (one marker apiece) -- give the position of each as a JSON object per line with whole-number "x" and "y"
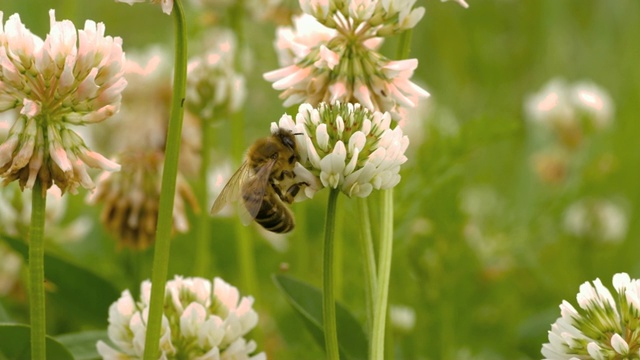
{"x": 231, "y": 191}
{"x": 254, "y": 189}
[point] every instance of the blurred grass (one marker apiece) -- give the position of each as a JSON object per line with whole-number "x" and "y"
{"x": 479, "y": 64}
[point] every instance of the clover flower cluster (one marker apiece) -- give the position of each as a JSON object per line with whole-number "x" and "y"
{"x": 213, "y": 85}
{"x": 131, "y": 199}
{"x": 331, "y": 54}
{"x": 570, "y": 110}
{"x": 70, "y": 78}
{"x": 346, "y": 147}
{"x": 201, "y": 320}
{"x": 604, "y": 327}
{"x": 598, "y": 219}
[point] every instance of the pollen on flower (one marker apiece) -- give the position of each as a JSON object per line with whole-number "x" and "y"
{"x": 88, "y": 69}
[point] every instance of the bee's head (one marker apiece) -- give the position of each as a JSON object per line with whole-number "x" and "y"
{"x": 287, "y": 138}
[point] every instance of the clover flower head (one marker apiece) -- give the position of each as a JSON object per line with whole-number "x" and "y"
{"x": 346, "y": 147}
{"x": 604, "y": 326}
{"x": 331, "y": 54}
{"x": 201, "y": 320}
{"x": 598, "y": 219}
{"x": 213, "y": 85}
{"x": 131, "y": 199}
{"x": 403, "y": 318}
{"x": 70, "y": 78}
{"x": 570, "y": 110}
{"x": 167, "y": 5}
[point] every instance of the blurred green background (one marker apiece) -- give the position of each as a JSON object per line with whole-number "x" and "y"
{"x": 481, "y": 254}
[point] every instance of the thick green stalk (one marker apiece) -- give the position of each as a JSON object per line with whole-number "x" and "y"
{"x": 384, "y": 274}
{"x": 203, "y": 256}
{"x": 169, "y": 174}
{"x": 369, "y": 256}
{"x": 36, "y": 272}
{"x": 328, "y": 295}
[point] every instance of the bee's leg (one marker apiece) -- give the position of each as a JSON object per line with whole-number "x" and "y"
{"x": 292, "y": 191}
{"x": 284, "y": 174}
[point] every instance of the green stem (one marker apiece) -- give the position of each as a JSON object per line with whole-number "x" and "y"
{"x": 328, "y": 298}
{"x": 202, "y": 256}
{"x": 36, "y": 272}
{"x": 404, "y": 46}
{"x": 369, "y": 256}
{"x": 384, "y": 273}
{"x": 169, "y": 174}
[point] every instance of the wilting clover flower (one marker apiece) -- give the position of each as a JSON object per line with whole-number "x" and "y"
{"x": 70, "y": 78}
{"x": 213, "y": 85}
{"x": 201, "y": 320}
{"x": 346, "y": 147}
{"x": 331, "y": 54}
{"x": 570, "y": 111}
{"x": 605, "y": 326}
{"x": 167, "y": 5}
{"x": 131, "y": 199}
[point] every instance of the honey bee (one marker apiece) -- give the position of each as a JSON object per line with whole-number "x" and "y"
{"x": 265, "y": 182}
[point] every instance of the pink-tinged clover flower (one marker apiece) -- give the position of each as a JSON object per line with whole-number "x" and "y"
{"x": 201, "y": 320}
{"x": 70, "y": 78}
{"x": 346, "y": 147}
{"x": 331, "y": 54}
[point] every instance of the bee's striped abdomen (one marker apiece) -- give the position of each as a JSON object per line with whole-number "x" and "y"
{"x": 274, "y": 215}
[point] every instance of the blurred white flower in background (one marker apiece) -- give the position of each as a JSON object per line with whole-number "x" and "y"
{"x": 605, "y": 326}
{"x": 167, "y": 5}
{"x": 201, "y": 320}
{"x": 597, "y": 219}
{"x": 571, "y": 110}
{"x": 130, "y": 198}
{"x": 213, "y": 85}
{"x": 403, "y": 318}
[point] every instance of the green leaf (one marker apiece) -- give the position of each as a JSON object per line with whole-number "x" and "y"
{"x": 15, "y": 344}
{"x": 79, "y": 291}
{"x": 83, "y": 344}
{"x": 307, "y": 301}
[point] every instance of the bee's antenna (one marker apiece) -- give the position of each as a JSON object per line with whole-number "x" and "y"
{"x": 298, "y": 133}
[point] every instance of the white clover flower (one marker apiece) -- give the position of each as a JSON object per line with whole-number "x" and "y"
{"x": 201, "y": 320}
{"x": 167, "y": 5}
{"x": 570, "y": 111}
{"x": 70, "y": 78}
{"x": 346, "y": 147}
{"x": 213, "y": 85}
{"x": 331, "y": 54}
{"x": 131, "y": 199}
{"x": 598, "y": 219}
{"x": 605, "y": 326}
{"x": 403, "y": 318}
